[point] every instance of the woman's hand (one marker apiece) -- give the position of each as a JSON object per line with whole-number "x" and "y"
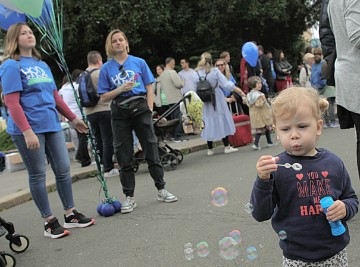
{"x": 265, "y": 166}
{"x": 31, "y": 139}
{"x": 239, "y": 91}
{"x": 80, "y": 125}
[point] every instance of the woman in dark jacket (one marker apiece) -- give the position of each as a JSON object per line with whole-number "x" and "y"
{"x": 283, "y": 70}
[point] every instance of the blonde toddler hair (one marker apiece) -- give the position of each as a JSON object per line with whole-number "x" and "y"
{"x": 290, "y": 100}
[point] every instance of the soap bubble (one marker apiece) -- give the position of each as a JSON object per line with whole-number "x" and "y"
{"x": 282, "y": 235}
{"x": 249, "y": 207}
{"x": 229, "y": 248}
{"x": 251, "y": 253}
{"x": 202, "y": 249}
{"x": 188, "y": 251}
{"x": 219, "y": 197}
{"x": 236, "y": 235}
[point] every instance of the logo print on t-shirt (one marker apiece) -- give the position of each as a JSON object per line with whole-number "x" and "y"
{"x": 125, "y": 76}
{"x": 36, "y": 75}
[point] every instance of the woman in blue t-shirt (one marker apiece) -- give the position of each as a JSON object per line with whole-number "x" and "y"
{"x": 33, "y": 102}
{"x": 127, "y": 81}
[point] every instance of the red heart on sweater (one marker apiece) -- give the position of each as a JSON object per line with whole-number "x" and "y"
{"x": 325, "y": 174}
{"x": 299, "y": 176}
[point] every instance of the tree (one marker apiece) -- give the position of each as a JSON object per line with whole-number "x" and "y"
{"x": 179, "y": 28}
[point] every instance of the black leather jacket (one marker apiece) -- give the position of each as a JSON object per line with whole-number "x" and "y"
{"x": 282, "y": 69}
{"x": 326, "y": 35}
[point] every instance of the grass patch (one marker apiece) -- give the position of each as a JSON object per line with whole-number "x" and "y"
{"x": 5, "y": 142}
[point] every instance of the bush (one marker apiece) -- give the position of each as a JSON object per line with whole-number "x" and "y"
{"x": 5, "y": 142}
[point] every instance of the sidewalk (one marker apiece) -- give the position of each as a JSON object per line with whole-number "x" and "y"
{"x": 14, "y": 188}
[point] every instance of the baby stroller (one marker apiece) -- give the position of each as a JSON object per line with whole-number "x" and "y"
{"x": 18, "y": 243}
{"x": 169, "y": 158}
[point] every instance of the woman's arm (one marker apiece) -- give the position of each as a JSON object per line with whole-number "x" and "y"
{"x": 150, "y": 96}
{"x": 62, "y": 107}
{"x": 278, "y": 69}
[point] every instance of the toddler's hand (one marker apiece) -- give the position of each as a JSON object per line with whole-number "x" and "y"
{"x": 265, "y": 166}
{"x": 336, "y": 211}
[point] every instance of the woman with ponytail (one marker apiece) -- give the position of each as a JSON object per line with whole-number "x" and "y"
{"x": 216, "y": 115}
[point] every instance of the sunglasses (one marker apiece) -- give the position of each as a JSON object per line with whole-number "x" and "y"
{"x": 220, "y": 65}
{"x": 122, "y": 71}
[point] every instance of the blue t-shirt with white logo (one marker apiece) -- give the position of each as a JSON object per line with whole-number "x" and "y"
{"x": 112, "y": 75}
{"x": 35, "y": 82}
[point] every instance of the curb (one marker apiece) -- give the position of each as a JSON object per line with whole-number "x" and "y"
{"x": 23, "y": 196}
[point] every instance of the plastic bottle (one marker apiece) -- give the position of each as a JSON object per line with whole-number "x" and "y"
{"x": 337, "y": 228}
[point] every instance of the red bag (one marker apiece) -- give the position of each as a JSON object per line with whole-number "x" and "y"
{"x": 242, "y": 134}
{"x": 283, "y": 84}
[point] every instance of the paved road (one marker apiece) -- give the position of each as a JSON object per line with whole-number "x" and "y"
{"x": 155, "y": 233}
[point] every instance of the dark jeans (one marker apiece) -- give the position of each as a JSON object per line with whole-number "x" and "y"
{"x": 176, "y": 114}
{"x": 122, "y": 125}
{"x": 101, "y": 127}
{"x": 348, "y": 119}
{"x": 82, "y": 153}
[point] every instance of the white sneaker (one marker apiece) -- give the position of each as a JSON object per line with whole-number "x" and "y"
{"x": 129, "y": 205}
{"x": 272, "y": 144}
{"x": 164, "y": 195}
{"x": 210, "y": 152}
{"x": 255, "y": 147}
{"x": 230, "y": 149}
{"x": 112, "y": 173}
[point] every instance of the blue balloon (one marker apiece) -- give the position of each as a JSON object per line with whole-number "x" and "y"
{"x": 9, "y": 17}
{"x": 251, "y": 53}
{"x": 117, "y": 205}
{"x": 107, "y": 210}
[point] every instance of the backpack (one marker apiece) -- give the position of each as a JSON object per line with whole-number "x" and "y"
{"x": 88, "y": 94}
{"x": 204, "y": 89}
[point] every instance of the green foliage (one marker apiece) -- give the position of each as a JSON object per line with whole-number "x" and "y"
{"x": 6, "y": 142}
{"x": 179, "y": 28}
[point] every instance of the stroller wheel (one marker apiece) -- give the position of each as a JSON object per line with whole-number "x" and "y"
{"x": 19, "y": 245}
{"x": 179, "y": 155}
{"x": 136, "y": 166}
{"x": 9, "y": 260}
{"x": 169, "y": 159}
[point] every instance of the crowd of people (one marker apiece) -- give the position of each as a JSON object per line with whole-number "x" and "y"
{"x": 128, "y": 96}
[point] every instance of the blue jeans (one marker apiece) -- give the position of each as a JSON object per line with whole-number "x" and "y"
{"x": 123, "y": 124}
{"x": 53, "y": 146}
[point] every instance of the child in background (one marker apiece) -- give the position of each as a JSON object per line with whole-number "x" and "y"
{"x": 259, "y": 111}
{"x": 291, "y": 197}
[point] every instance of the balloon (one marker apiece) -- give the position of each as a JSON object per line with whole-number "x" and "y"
{"x": 9, "y": 5}
{"x": 29, "y": 7}
{"x": 99, "y": 207}
{"x": 46, "y": 13}
{"x": 117, "y": 205}
{"x": 251, "y": 53}
{"x": 9, "y": 17}
{"x": 107, "y": 210}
